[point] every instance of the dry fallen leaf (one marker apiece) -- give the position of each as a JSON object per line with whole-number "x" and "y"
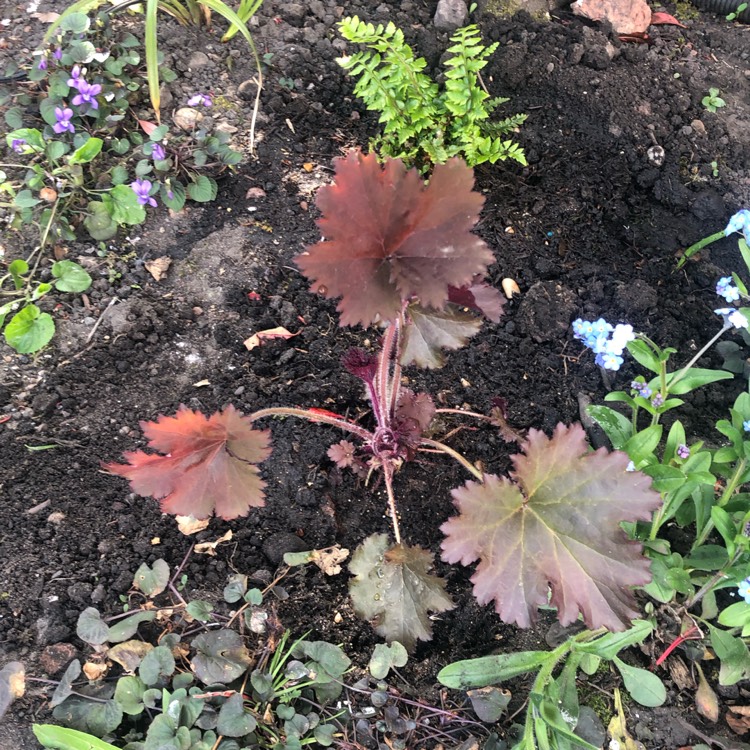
{"x": 329, "y": 559}
{"x": 94, "y": 670}
{"x": 158, "y": 267}
{"x": 706, "y": 701}
{"x": 48, "y": 194}
{"x": 50, "y": 17}
{"x": 271, "y": 333}
{"x": 60, "y": 252}
{"x": 307, "y": 166}
{"x": 738, "y": 718}
{"x": 626, "y": 16}
{"x": 209, "y": 548}
{"x": 129, "y": 654}
{"x": 188, "y": 525}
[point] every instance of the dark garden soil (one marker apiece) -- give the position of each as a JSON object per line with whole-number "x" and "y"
{"x": 591, "y": 227}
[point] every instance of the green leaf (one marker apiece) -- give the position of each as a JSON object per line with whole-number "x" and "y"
{"x": 152, "y": 580}
{"x": 203, "y": 189}
{"x": 489, "y": 670}
{"x": 736, "y": 615}
{"x": 644, "y": 686}
{"x": 119, "y": 175}
{"x": 234, "y": 720}
{"x": 616, "y": 426}
{"x": 32, "y": 136}
{"x": 75, "y": 22}
{"x": 385, "y": 657}
{"x": 327, "y": 656}
{"x": 644, "y": 355}
{"x": 56, "y": 150}
{"x": 122, "y": 204}
{"x": 14, "y": 118}
{"x": 90, "y": 627}
{"x": 65, "y": 686}
{"x": 489, "y": 703}
{"x": 156, "y": 665}
{"x": 236, "y": 588}
{"x": 553, "y": 535}
{"x": 70, "y": 276}
{"x": 609, "y": 645}
{"x": 643, "y": 443}
{"x": 29, "y": 330}
{"x": 61, "y": 738}
{"x": 177, "y": 201}
{"x": 393, "y": 589}
{"x": 221, "y": 657}
{"x": 158, "y": 133}
{"x": 86, "y": 153}
{"x": 695, "y": 378}
{"x": 725, "y": 526}
{"x": 99, "y": 224}
{"x": 128, "y": 626}
{"x": 129, "y": 695}
{"x": 25, "y": 199}
{"x": 200, "y": 610}
{"x": 734, "y": 656}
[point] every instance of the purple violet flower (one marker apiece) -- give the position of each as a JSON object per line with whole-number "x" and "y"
{"x": 200, "y": 99}
{"x": 75, "y": 77}
{"x": 17, "y": 145}
{"x": 683, "y": 451}
{"x": 63, "y": 117}
{"x": 42, "y": 64}
{"x": 57, "y": 54}
{"x": 158, "y": 152}
{"x": 87, "y": 93}
{"x": 657, "y": 401}
{"x": 142, "y": 188}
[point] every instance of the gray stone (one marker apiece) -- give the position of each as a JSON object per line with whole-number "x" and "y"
{"x": 198, "y": 60}
{"x": 450, "y": 15}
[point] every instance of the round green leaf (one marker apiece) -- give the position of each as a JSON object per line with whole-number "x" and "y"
{"x": 122, "y": 204}
{"x": 156, "y": 664}
{"x": 129, "y": 695}
{"x": 86, "y": 153}
{"x": 70, "y": 276}
{"x": 75, "y": 23}
{"x": 234, "y": 721}
{"x": 200, "y": 610}
{"x": 99, "y": 224}
{"x": 203, "y": 189}
{"x": 29, "y": 330}
{"x": 177, "y": 201}
{"x": 644, "y": 686}
{"x": 90, "y": 627}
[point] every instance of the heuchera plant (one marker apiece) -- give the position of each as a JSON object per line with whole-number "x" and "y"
{"x": 400, "y": 254}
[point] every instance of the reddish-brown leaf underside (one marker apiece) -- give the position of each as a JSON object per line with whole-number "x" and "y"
{"x": 555, "y": 527}
{"x": 209, "y": 464}
{"x": 390, "y": 238}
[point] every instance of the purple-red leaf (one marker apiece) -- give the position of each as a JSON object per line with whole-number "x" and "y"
{"x": 389, "y": 238}
{"x": 429, "y": 331}
{"x": 556, "y": 526}
{"x": 414, "y": 412}
{"x": 395, "y": 591}
{"x": 342, "y": 453}
{"x": 478, "y": 296}
{"x": 209, "y": 466}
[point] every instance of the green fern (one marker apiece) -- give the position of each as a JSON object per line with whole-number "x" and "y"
{"x": 421, "y": 124}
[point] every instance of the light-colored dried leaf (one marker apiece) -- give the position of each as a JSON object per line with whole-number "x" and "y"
{"x": 188, "y": 525}
{"x": 94, "y": 670}
{"x": 158, "y": 267}
{"x": 510, "y": 287}
{"x": 329, "y": 560}
{"x": 209, "y": 548}
{"x": 49, "y": 17}
{"x": 271, "y": 333}
{"x": 129, "y": 654}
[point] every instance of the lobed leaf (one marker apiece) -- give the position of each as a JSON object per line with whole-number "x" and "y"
{"x": 390, "y": 239}
{"x": 393, "y": 589}
{"x": 555, "y": 525}
{"x": 209, "y": 466}
{"x": 429, "y": 331}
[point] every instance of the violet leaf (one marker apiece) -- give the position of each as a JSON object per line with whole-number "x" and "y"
{"x": 555, "y": 526}
{"x": 394, "y": 590}
{"x": 428, "y": 331}
{"x": 389, "y": 238}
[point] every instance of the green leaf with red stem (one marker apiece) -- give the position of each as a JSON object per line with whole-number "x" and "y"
{"x": 389, "y": 238}
{"x": 210, "y": 464}
{"x": 552, "y": 533}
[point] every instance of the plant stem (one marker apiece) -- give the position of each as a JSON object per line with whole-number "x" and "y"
{"x": 453, "y": 454}
{"x": 388, "y": 476}
{"x": 699, "y": 246}
{"x": 723, "y": 500}
{"x": 715, "y": 578}
{"x": 684, "y": 371}
{"x": 313, "y": 416}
